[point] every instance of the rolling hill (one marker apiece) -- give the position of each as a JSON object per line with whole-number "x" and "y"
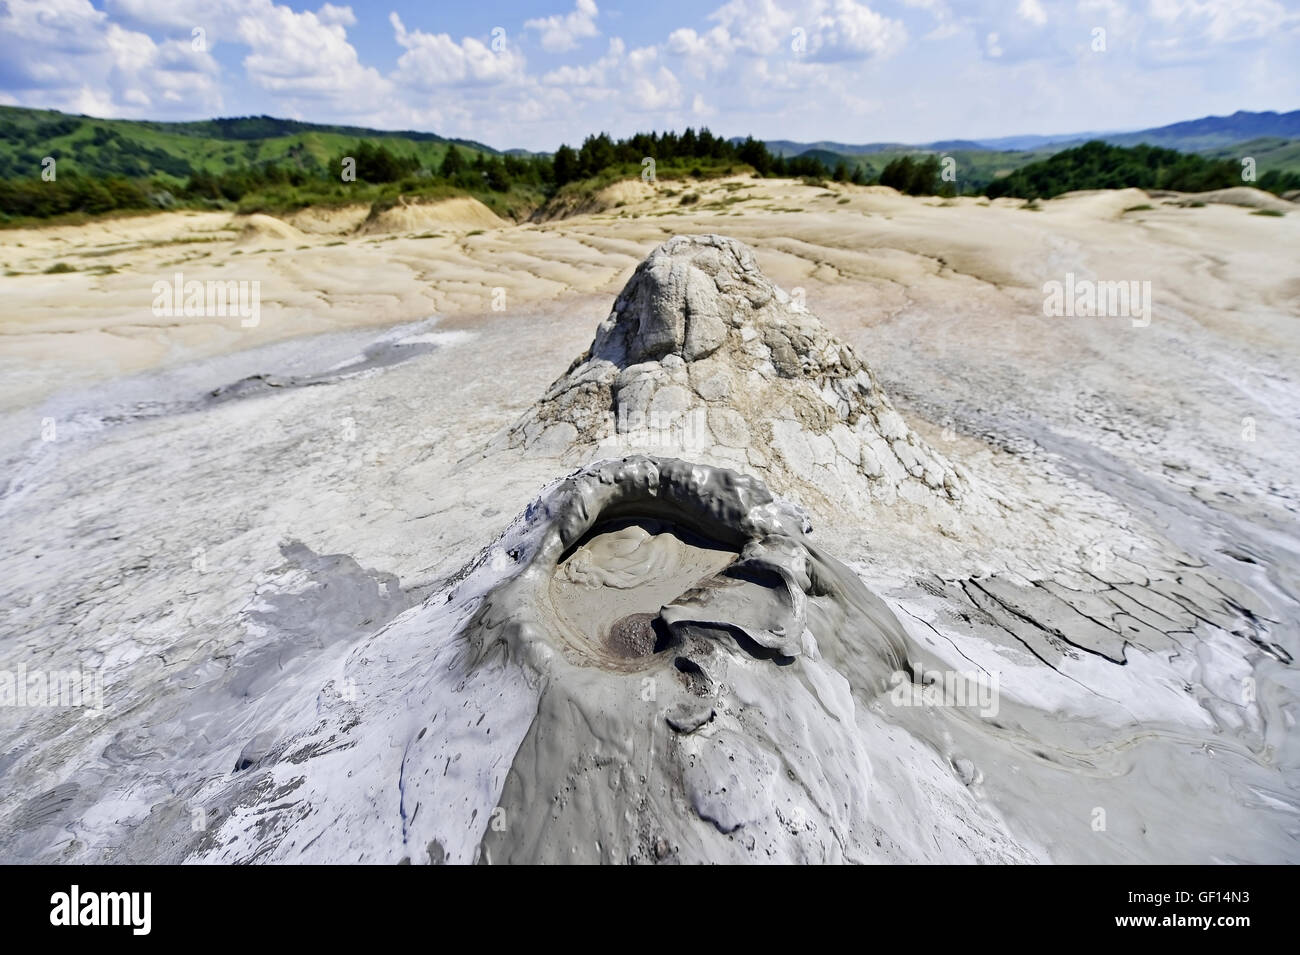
{"x": 134, "y": 148}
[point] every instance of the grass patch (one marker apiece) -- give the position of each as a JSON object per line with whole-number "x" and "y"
{"x": 59, "y": 268}
{"x": 1144, "y": 207}
{"x": 1268, "y": 212}
{"x": 842, "y": 202}
{"x": 689, "y": 199}
{"x": 725, "y": 202}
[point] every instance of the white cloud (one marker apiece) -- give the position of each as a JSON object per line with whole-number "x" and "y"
{"x": 561, "y": 33}
{"x": 69, "y": 55}
{"x": 301, "y": 55}
{"x": 700, "y": 109}
{"x": 597, "y": 73}
{"x": 341, "y": 16}
{"x": 701, "y": 52}
{"x": 831, "y": 29}
{"x": 1032, "y": 12}
{"x": 1223, "y": 21}
{"x": 657, "y": 90}
{"x": 432, "y": 60}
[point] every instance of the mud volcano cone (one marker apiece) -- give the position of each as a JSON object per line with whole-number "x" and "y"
{"x": 704, "y": 357}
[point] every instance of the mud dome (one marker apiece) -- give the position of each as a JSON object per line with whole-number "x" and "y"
{"x": 654, "y": 663}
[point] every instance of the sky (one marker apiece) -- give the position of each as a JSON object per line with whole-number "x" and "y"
{"x": 535, "y": 73}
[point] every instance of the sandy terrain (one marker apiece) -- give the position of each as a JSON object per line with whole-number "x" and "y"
{"x": 216, "y": 515}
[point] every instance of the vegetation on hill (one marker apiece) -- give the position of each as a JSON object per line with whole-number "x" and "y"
{"x": 674, "y": 155}
{"x": 915, "y": 177}
{"x": 263, "y": 164}
{"x": 1096, "y": 165}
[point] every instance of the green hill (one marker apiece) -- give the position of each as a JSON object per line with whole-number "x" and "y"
{"x": 263, "y": 164}
{"x": 1099, "y": 165}
{"x": 975, "y": 168}
{"x": 175, "y": 151}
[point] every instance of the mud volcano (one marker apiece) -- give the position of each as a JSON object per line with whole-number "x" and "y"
{"x": 704, "y": 357}
{"x": 639, "y": 557}
{"x": 656, "y": 598}
{"x": 653, "y": 663}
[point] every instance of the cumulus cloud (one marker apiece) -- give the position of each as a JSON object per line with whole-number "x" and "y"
{"x": 435, "y": 59}
{"x": 303, "y": 55}
{"x": 597, "y": 73}
{"x": 828, "y": 29}
{"x": 67, "y": 54}
{"x": 561, "y": 33}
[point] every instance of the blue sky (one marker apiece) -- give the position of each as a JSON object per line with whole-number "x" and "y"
{"x": 538, "y": 73}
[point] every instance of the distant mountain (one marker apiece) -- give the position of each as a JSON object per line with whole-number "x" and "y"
{"x": 1211, "y": 132}
{"x": 785, "y": 147}
{"x": 1027, "y": 143}
{"x": 1194, "y": 135}
{"x": 949, "y": 145}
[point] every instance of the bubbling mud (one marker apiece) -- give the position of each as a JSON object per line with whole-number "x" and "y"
{"x": 636, "y": 556}
{"x": 689, "y": 646}
{"x": 608, "y": 591}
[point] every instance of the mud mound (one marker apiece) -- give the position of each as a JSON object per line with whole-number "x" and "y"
{"x": 462, "y": 212}
{"x": 1244, "y": 196}
{"x": 259, "y": 228}
{"x": 704, "y": 356}
{"x": 711, "y": 711}
{"x": 326, "y": 220}
{"x": 623, "y": 192}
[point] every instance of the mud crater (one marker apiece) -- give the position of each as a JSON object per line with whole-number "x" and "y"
{"x": 608, "y": 589}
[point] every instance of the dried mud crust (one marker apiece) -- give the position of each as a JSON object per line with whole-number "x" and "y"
{"x": 703, "y": 353}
